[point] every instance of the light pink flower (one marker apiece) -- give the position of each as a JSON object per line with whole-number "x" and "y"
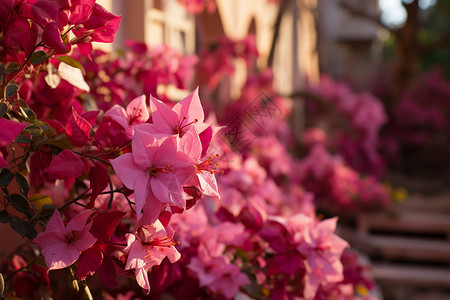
{"x": 185, "y": 114}
{"x": 323, "y": 250}
{"x": 205, "y": 167}
{"x": 135, "y": 113}
{"x": 62, "y": 245}
{"x": 155, "y": 168}
{"x": 217, "y": 273}
{"x": 147, "y": 247}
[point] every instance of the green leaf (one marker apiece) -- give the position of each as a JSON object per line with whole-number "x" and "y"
{"x": 11, "y": 89}
{"x": 23, "y": 184}
{"x": 22, "y": 103}
{"x": 21, "y": 204}
{"x": 71, "y": 62}
{"x": 3, "y": 109}
{"x": 12, "y": 67}
{"x": 5, "y": 217}
{"x": 23, "y": 228}
{"x": 19, "y": 226}
{"x": 5, "y": 177}
{"x": 23, "y": 139}
{"x": 38, "y": 142}
{"x": 28, "y": 113}
{"x": 60, "y": 142}
{"x": 38, "y": 57}
{"x": 31, "y": 232}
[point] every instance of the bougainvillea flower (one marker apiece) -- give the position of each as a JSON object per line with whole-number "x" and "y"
{"x": 154, "y": 166}
{"x": 100, "y": 27}
{"x": 323, "y": 250}
{"x": 135, "y": 113}
{"x": 62, "y": 245}
{"x": 147, "y": 247}
{"x": 178, "y": 120}
{"x": 205, "y": 168}
{"x": 217, "y": 273}
{"x": 66, "y": 164}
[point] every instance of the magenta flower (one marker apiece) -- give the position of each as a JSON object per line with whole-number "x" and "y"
{"x": 10, "y": 130}
{"x": 62, "y": 245}
{"x": 217, "y": 273}
{"x": 101, "y": 27}
{"x": 147, "y": 247}
{"x": 155, "y": 167}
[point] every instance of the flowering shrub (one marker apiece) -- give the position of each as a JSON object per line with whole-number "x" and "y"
{"x": 416, "y": 134}
{"x": 358, "y": 119}
{"x": 126, "y": 195}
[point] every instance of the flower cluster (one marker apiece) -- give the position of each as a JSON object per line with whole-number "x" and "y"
{"x": 218, "y": 60}
{"x": 358, "y": 119}
{"x": 139, "y": 70}
{"x": 118, "y": 182}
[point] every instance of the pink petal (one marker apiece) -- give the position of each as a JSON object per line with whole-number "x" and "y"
{"x": 78, "y": 130}
{"x": 144, "y": 147}
{"x": 168, "y": 191}
{"x": 137, "y": 111}
{"x": 164, "y": 119}
{"x": 99, "y": 179}
{"x": 85, "y": 49}
{"x": 136, "y": 253}
{"x": 142, "y": 278}
{"x": 104, "y": 24}
{"x": 45, "y": 11}
{"x": 172, "y": 254}
{"x": 142, "y": 192}
{"x": 127, "y": 171}
{"x": 60, "y": 256}
{"x": 91, "y": 116}
{"x": 151, "y": 211}
{"x": 208, "y": 183}
{"x": 79, "y": 221}
{"x": 89, "y": 262}
{"x": 52, "y": 38}
{"x": 167, "y": 151}
{"x": 55, "y": 224}
{"x": 81, "y": 12}
{"x": 85, "y": 241}
{"x": 190, "y": 145}
{"x": 10, "y": 130}
{"x": 104, "y": 224}
{"x": 48, "y": 239}
{"x": 190, "y": 107}
{"x": 118, "y": 114}
{"x": 66, "y": 163}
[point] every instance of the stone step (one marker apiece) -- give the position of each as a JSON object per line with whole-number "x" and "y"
{"x": 389, "y": 247}
{"x": 407, "y": 222}
{"x": 414, "y": 276}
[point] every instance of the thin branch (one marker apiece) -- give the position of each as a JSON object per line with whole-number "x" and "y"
{"x": 276, "y": 31}
{"x": 21, "y": 269}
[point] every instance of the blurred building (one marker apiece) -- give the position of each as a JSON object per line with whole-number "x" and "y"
{"x": 349, "y": 40}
